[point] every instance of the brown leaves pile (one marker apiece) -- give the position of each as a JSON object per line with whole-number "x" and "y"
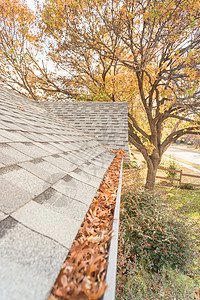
{"x": 83, "y": 273}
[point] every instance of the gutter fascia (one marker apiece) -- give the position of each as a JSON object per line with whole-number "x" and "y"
{"x": 113, "y": 250}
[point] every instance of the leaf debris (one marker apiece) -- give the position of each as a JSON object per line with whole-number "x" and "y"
{"x": 83, "y": 274}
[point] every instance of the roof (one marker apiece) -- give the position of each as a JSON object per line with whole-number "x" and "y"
{"x": 106, "y": 121}
{"x": 49, "y": 174}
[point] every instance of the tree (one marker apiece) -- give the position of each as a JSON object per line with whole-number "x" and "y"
{"x": 16, "y": 38}
{"x": 23, "y": 60}
{"x": 156, "y": 43}
{"x": 145, "y": 52}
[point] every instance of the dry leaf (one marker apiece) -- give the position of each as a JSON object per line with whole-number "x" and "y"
{"x": 83, "y": 273}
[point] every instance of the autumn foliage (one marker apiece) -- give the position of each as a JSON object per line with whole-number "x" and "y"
{"x": 143, "y": 52}
{"x": 18, "y": 39}
{"x": 83, "y": 274}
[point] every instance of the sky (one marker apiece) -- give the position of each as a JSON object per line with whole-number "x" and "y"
{"x": 32, "y": 3}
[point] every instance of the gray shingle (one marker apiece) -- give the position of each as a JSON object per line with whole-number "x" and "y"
{"x": 38, "y": 153}
{"x": 56, "y": 226}
{"x": 9, "y": 125}
{"x": 61, "y": 147}
{"x": 30, "y": 149}
{"x": 2, "y": 216}
{"x": 29, "y": 262}
{"x": 100, "y": 163}
{"x": 14, "y": 136}
{"x": 74, "y": 189}
{"x": 85, "y": 177}
{"x": 9, "y": 155}
{"x": 24, "y": 180}
{"x": 11, "y": 196}
{"x": 105, "y": 120}
{"x": 62, "y": 204}
{"x": 43, "y": 170}
{"x": 93, "y": 169}
{"x": 61, "y": 163}
{"x": 3, "y": 139}
{"x": 48, "y": 147}
{"x": 73, "y": 158}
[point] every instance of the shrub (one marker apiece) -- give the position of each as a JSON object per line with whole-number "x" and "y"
{"x": 132, "y": 155}
{"x": 126, "y": 166}
{"x": 132, "y": 164}
{"x": 172, "y": 165}
{"x": 188, "y": 186}
{"x": 135, "y": 164}
{"x": 155, "y": 237}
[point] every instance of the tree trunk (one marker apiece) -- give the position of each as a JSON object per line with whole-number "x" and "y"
{"x": 151, "y": 178}
{"x": 152, "y": 167}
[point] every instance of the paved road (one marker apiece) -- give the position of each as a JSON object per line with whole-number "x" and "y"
{"x": 192, "y": 157}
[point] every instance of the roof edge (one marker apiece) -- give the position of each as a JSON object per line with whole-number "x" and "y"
{"x": 113, "y": 250}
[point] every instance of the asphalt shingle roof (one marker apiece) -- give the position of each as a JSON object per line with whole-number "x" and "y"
{"x": 106, "y": 121}
{"x": 49, "y": 174}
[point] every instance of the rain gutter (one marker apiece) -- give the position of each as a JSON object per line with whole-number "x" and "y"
{"x": 112, "y": 257}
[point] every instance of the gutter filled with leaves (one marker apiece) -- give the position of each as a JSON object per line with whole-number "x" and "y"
{"x": 83, "y": 274}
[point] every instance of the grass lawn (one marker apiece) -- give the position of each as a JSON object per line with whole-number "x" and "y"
{"x": 165, "y": 230}
{"x": 184, "y": 202}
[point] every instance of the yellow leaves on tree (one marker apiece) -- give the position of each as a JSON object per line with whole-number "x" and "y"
{"x": 143, "y": 52}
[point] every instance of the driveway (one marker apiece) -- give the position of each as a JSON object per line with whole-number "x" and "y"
{"x": 189, "y": 156}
